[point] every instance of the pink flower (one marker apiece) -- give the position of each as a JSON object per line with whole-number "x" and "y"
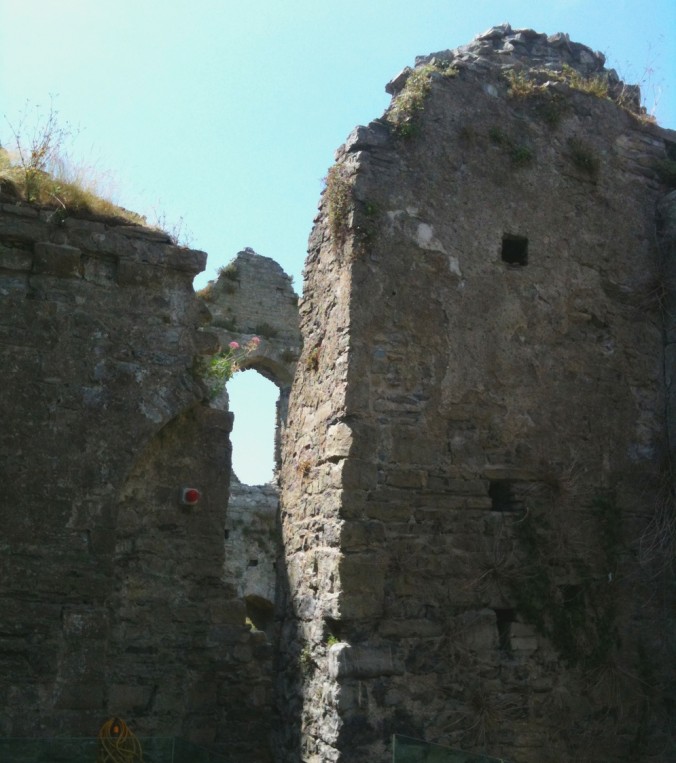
{"x": 255, "y": 341}
{"x": 234, "y": 345}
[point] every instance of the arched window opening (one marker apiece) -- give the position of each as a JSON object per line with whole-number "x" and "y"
{"x": 253, "y": 400}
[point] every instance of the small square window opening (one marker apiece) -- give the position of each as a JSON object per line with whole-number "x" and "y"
{"x": 515, "y": 250}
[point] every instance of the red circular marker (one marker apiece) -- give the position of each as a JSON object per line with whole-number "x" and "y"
{"x": 191, "y": 496}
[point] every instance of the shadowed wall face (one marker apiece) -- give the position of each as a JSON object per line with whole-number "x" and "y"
{"x": 113, "y": 594}
{"x": 483, "y": 421}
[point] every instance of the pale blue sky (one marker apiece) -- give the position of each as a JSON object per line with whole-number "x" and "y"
{"x": 228, "y": 116}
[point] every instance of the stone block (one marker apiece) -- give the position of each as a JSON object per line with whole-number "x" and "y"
{"x": 361, "y": 535}
{"x": 20, "y": 210}
{"x": 100, "y": 270}
{"x": 410, "y": 628}
{"x": 77, "y": 696}
{"x": 388, "y": 512}
{"x": 178, "y": 258}
{"x": 361, "y": 662}
{"x": 362, "y": 583}
{"x": 136, "y": 274}
{"x": 358, "y": 475}
{"x": 62, "y": 261}
{"x": 15, "y": 259}
{"x": 82, "y": 622}
{"x": 523, "y": 644}
{"x": 478, "y": 630}
{"x": 338, "y": 441}
{"x": 16, "y": 286}
{"x": 126, "y": 698}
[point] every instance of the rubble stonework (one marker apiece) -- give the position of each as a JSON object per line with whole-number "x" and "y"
{"x": 252, "y": 296}
{"x": 474, "y": 539}
{"x": 476, "y": 456}
{"x": 113, "y": 595}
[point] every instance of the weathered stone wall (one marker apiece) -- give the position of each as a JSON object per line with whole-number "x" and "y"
{"x": 253, "y": 296}
{"x": 477, "y": 506}
{"x": 476, "y": 443}
{"x": 112, "y": 593}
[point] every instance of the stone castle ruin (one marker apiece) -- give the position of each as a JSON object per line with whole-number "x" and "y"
{"x": 471, "y": 535}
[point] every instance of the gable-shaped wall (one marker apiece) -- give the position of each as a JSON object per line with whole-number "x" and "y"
{"x": 477, "y": 447}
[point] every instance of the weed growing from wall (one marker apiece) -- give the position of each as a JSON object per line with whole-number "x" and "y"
{"x": 288, "y": 356}
{"x": 584, "y": 157}
{"x": 229, "y": 271}
{"x": 305, "y": 662}
{"x": 522, "y": 84}
{"x": 304, "y": 467}
{"x": 207, "y": 293}
{"x": 38, "y": 170}
{"x": 217, "y": 371}
{"x": 552, "y": 109}
{"x": 312, "y": 359}
{"x": 596, "y": 85}
{"x": 411, "y": 100}
{"x": 519, "y": 153}
{"x": 366, "y": 225}
{"x": 531, "y": 83}
{"x": 339, "y": 198}
{"x": 178, "y": 232}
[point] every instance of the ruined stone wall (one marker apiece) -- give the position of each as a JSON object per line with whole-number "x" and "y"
{"x": 476, "y": 446}
{"x": 253, "y": 296}
{"x": 112, "y": 593}
{"x": 477, "y": 492}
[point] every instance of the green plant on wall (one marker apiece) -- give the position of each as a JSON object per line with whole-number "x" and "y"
{"x": 520, "y": 153}
{"x": 411, "y": 100}
{"x": 39, "y": 170}
{"x": 339, "y": 197}
{"x": 219, "y": 369}
{"x": 305, "y": 661}
{"x": 596, "y": 84}
{"x": 524, "y": 84}
{"x": 344, "y": 211}
{"x": 312, "y": 359}
{"x": 584, "y": 157}
{"x": 229, "y": 271}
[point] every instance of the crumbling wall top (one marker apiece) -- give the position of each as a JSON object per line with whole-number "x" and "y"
{"x": 501, "y": 47}
{"x": 254, "y": 296}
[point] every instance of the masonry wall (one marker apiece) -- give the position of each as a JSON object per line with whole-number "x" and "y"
{"x": 253, "y": 296}
{"x": 477, "y": 447}
{"x": 112, "y": 593}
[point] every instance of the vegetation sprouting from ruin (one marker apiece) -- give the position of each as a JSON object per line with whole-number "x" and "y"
{"x": 533, "y": 82}
{"x": 411, "y": 100}
{"x": 339, "y": 197}
{"x": 537, "y": 83}
{"x": 217, "y": 370}
{"x": 38, "y": 169}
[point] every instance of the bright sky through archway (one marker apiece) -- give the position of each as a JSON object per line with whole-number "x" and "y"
{"x": 253, "y": 400}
